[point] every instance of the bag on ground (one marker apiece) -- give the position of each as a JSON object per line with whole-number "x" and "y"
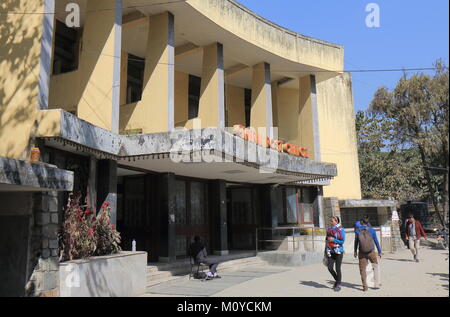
{"x": 199, "y": 275}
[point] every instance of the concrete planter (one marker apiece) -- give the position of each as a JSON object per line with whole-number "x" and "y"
{"x": 119, "y": 275}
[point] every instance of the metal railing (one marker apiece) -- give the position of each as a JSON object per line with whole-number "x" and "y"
{"x": 290, "y": 235}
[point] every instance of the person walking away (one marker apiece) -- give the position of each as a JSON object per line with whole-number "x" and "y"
{"x": 198, "y": 251}
{"x": 414, "y": 232}
{"x": 335, "y": 243}
{"x": 365, "y": 242}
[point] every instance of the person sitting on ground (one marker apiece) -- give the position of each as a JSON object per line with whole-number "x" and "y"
{"x": 198, "y": 252}
{"x": 365, "y": 242}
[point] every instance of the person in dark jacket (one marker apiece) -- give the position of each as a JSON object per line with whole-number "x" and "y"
{"x": 197, "y": 250}
{"x": 414, "y": 232}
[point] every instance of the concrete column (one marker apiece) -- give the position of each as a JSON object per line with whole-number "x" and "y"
{"x": 46, "y": 53}
{"x": 218, "y": 216}
{"x": 100, "y": 64}
{"x": 270, "y": 205}
{"x": 320, "y": 208}
{"x": 117, "y": 67}
{"x": 107, "y": 186}
{"x": 212, "y": 93}
{"x": 166, "y": 217}
{"x": 261, "y": 111}
{"x": 308, "y": 120}
{"x": 159, "y": 75}
{"x": 92, "y": 184}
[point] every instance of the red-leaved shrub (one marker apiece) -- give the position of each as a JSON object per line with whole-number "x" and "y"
{"x": 84, "y": 235}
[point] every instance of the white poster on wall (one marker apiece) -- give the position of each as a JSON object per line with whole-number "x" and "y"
{"x": 395, "y": 215}
{"x": 385, "y": 232}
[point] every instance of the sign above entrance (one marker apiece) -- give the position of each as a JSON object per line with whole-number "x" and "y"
{"x": 249, "y": 134}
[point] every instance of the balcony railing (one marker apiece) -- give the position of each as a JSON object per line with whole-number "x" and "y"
{"x": 295, "y": 239}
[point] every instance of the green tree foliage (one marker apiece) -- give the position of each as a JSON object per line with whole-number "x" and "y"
{"x": 416, "y": 112}
{"x": 386, "y": 172}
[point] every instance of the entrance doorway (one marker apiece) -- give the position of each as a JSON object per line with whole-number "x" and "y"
{"x": 191, "y": 214}
{"x": 14, "y": 235}
{"x": 136, "y": 213}
{"x": 242, "y": 220}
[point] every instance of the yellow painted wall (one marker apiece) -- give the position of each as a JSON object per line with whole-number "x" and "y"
{"x": 305, "y": 116}
{"x": 20, "y": 48}
{"x": 235, "y": 105}
{"x": 97, "y": 64}
{"x": 65, "y": 91}
{"x": 130, "y": 114}
{"x": 338, "y": 135}
{"x": 286, "y": 108}
{"x": 208, "y": 111}
{"x": 88, "y": 90}
{"x": 268, "y": 36}
{"x": 151, "y": 113}
{"x": 258, "y": 114}
{"x": 123, "y": 78}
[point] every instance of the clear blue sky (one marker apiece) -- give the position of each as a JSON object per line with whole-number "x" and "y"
{"x": 412, "y": 33}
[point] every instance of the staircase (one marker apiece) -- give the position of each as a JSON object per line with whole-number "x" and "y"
{"x": 170, "y": 273}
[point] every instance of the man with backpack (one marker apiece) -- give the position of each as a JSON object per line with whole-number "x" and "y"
{"x": 365, "y": 242}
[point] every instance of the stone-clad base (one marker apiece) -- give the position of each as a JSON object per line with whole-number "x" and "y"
{"x": 289, "y": 258}
{"x": 120, "y": 275}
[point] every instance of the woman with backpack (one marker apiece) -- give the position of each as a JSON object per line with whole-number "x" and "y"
{"x": 335, "y": 250}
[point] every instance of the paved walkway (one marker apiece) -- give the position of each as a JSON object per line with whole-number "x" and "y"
{"x": 401, "y": 277}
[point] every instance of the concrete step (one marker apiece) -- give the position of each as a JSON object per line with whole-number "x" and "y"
{"x": 179, "y": 272}
{"x": 179, "y": 266}
{"x": 167, "y": 281}
{"x": 226, "y": 266}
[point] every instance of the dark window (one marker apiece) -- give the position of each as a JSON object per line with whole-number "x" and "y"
{"x": 248, "y": 106}
{"x": 135, "y": 78}
{"x": 298, "y": 206}
{"x": 67, "y": 44}
{"x": 194, "y": 96}
{"x": 349, "y": 216}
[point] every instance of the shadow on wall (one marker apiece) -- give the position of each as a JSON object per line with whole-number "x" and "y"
{"x": 19, "y": 71}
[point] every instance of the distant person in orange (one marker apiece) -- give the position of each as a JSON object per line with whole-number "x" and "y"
{"x": 414, "y": 232}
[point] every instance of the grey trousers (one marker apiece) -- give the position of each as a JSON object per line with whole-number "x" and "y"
{"x": 414, "y": 245}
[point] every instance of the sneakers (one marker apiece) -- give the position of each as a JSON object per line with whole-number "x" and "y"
{"x": 217, "y": 275}
{"x": 365, "y": 288}
{"x": 416, "y": 259}
{"x": 337, "y": 287}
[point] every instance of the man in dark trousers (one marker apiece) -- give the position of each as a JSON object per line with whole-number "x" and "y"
{"x": 198, "y": 251}
{"x": 414, "y": 232}
{"x": 365, "y": 242}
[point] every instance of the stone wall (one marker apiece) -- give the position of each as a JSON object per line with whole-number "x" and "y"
{"x": 43, "y": 267}
{"x": 330, "y": 208}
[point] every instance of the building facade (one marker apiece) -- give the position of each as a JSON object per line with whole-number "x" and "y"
{"x": 191, "y": 117}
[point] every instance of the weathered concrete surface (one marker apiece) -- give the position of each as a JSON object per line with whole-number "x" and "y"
{"x": 353, "y": 203}
{"x": 430, "y": 279}
{"x": 106, "y": 276}
{"x": 188, "y": 142}
{"x": 291, "y": 259}
{"x": 18, "y": 175}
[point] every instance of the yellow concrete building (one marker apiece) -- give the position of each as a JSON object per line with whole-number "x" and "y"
{"x": 114, "y": 97}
